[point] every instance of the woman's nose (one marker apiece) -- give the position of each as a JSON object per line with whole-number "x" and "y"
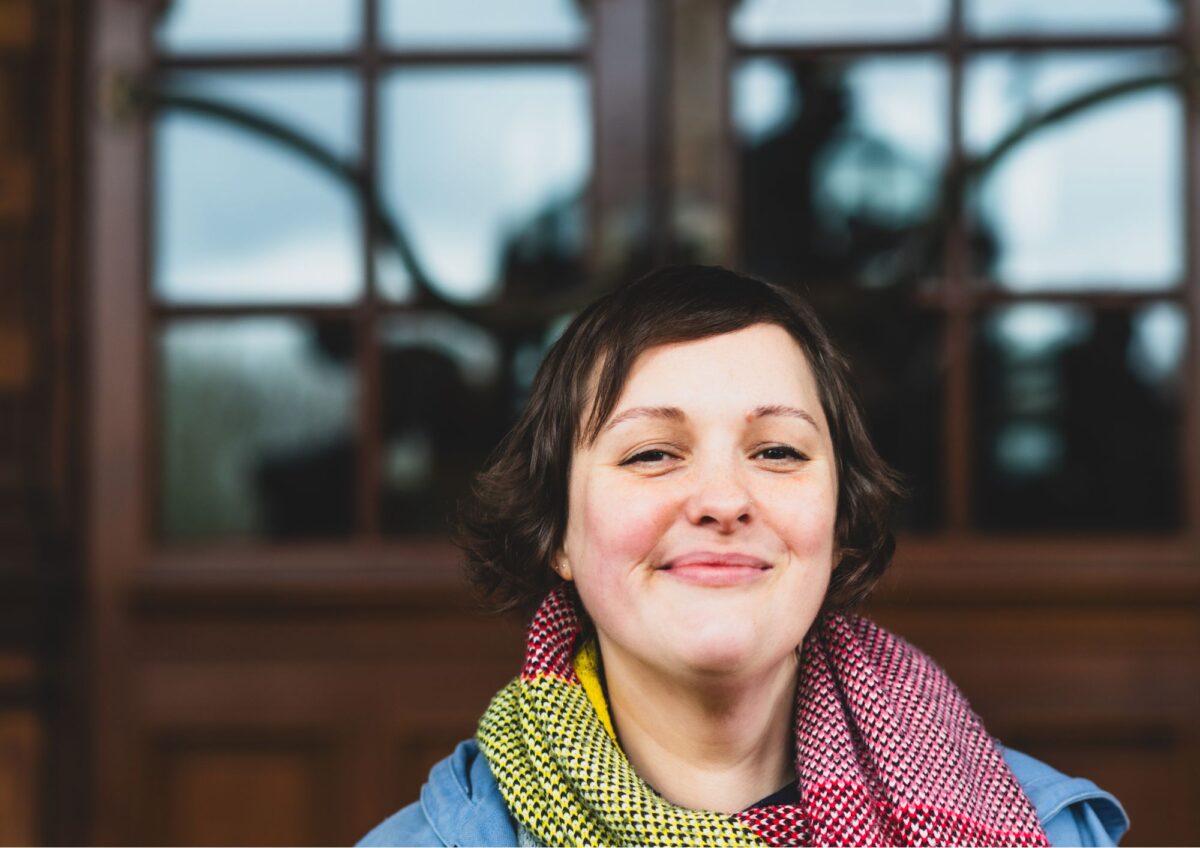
{"x": 720, "y": 500}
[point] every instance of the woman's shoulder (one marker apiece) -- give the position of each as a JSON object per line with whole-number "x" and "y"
{"x": 1072, "y": 810}
{"x": 462, "y": 805}
{"x": 459, "y": 805}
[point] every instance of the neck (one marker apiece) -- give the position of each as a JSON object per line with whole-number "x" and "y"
{"x": 705, "y": 743}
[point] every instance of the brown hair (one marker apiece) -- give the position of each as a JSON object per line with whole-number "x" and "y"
{"x": 513, "y": 523}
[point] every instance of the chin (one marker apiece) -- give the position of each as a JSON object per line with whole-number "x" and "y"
{"x": 719, "y": 648}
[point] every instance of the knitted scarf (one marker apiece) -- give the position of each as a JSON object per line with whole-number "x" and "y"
{"x": 888, "y": 752}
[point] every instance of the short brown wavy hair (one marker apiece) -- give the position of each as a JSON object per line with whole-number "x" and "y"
{"x": 513, "y": 523}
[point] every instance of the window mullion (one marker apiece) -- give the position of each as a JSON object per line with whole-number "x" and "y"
{"x": 623, "y": 107}
{"x": 957, "y": 338}
{"x": 366, "y": 330}
{"x": 1191, "y": 221}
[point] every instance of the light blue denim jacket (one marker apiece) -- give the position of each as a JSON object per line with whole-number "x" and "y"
{"x": 461, "y": 805}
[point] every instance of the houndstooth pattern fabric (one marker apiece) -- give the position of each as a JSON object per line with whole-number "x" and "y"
{"x": 888, "y": 752}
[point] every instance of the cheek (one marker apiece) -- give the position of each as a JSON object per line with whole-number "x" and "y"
{"x": 805, "y": 518}
{"x": 617, "y": 527}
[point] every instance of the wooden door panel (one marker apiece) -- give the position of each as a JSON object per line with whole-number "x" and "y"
{"x": 245, "y": 787}
{"x": 20, "y": 777}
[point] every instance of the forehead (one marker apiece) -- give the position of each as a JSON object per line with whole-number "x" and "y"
{"x": 755, "y": 366}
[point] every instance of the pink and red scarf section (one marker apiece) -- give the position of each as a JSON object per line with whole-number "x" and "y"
{"x": 888, "y": 751}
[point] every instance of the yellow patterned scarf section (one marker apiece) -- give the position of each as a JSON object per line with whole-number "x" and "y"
{"x": 587, "y": 669}
{"x": 888, "y": 752}
{"x": 551, "y": 747}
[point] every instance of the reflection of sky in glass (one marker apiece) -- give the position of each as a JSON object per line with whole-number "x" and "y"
{"x": 233, "y": 392}
{"x": 763, "y": 99}
{"x": 1030, "y": 335}
{"x": 899, "y": 120}
{"x": 996, "y": 16}
{"x": 322, "y": 105}
{"x": 1092, "y": 201}
{"x": 756, "y": 21}
{"x": 236, "y": 25}
{"x": 888, "y": 156}
{"x": 472, "y": 349}
{"x": 240, "y": 219}
{"x": 470, "y": 156}
{"x": 410, "y": 455}
{"x": 492, "y": 23}
{"x": 1033, "y": 331}
{"x": 1042, "y": 393}
{"x": 1002, "y": 90}
{"x": 1038, "y": 330}
{"x": 1159, "y": 342}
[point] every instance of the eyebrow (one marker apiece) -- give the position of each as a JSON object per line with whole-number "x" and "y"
{"x": 669, "y": 413}
{"x": 674, "y": 413}
{"x": 786, "y": 411}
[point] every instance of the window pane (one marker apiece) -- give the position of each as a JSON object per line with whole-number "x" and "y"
{"x": 238, "y": 25}
{"x": 1077, "y": 415}
{"x": 445, "y": 406}
{"x": 991, "y": 17}
{"x": 1093, "y": 201}
{"x": 451, "y": 391}
{"x": 895, "y": 353}
{"x": 487, "y": 170}
{"x": 839, "y": 163}
{"x": 257, "y": 428}
{"x": 484, "y": 23}
{"x": 776, "y": 21}
{"x": 243, "y": 219}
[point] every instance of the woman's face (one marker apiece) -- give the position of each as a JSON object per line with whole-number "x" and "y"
{"x": 700, "y": 529}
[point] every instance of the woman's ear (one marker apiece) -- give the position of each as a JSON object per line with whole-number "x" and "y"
{"x": 562, "y": 566}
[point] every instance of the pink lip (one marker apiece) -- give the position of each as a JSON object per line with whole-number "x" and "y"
{"x": 713, "y": 569}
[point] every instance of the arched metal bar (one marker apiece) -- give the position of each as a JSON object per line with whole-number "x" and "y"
{"x": 956, "y": 182}
{"x": 508, "y": 315}
{"x": 157, "y": 98}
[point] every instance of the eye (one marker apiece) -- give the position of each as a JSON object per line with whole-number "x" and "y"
{"x": 648, "y": 457}
{"x": 781, "y": 453}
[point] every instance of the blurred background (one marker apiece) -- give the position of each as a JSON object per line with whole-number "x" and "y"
{"x": 275, "y": 278}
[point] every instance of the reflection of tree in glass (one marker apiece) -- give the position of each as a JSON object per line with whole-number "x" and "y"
{"x": 851, "y": 262}
{"x": 447, "y": 426}
{"x": 1102, "y": 438}
{"x": 306, "y": 489}
{"x": 858, "y": 262}
{"x": 544, "y": 256}
{"x": 241, "y": 399}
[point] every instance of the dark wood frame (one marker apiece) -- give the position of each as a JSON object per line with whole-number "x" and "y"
{"x": 643, "y": 130}
{"x": 960, "y": 295}
{"x": 638, "y": 136}
{"x": 630, "y": 160}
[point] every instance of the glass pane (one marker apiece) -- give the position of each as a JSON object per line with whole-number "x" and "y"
{"x": 484, "y": 23}
{"x": 777, "y": 21}
{"x": 1077, "y": 415}
{"x": 241, "y": 218}
{"x": 991, "y": 17}
{"x": 1093, "y": 201}
{"x": 895, "y": 353}
{"x": 446, "y": 404}
{"x": 323, "y": 105}
{"x": 238, "y": 25}
{"x": 840, "y": 162}
{"x": 258, "y": 428}
{"x": 487, "y": 170}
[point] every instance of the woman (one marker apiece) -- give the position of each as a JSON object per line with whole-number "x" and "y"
{"x": 692, "y": 505}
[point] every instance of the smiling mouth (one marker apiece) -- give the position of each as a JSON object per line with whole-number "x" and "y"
{"x": 712, "y": 569}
